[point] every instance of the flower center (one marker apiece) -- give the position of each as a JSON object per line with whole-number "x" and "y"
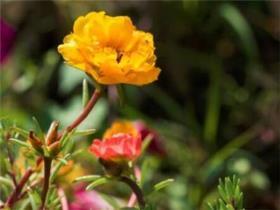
{"x": 119, "y": 56}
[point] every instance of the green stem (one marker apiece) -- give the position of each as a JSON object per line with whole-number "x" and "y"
{"x": 229, "y": 149}
{"x": 213, "y": 104}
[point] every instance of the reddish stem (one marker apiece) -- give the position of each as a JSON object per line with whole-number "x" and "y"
{"x": 30, "y": 187}
{"x": 95, "y": 96}
{"x": 13, "y": 197}
{"x": 15, "y": 194}
{"x": 47, "y": 173}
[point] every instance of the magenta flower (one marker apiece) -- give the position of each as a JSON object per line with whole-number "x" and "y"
{"x": 88, "y": 200}
{"x": 8, "y": 35}
{"x": 156, "y": 146}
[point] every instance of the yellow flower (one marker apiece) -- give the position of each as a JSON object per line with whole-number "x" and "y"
{"x": 111, "y": 50}
{"x": 69, "y": 172}
{"x": 121, "y": 126}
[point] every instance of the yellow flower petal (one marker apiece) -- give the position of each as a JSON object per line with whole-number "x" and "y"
{"x": 121, "y": 126}
{"x": 111, "y": 50}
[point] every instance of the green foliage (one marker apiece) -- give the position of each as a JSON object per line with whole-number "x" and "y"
{"x": 38, "y": 128}
{"x": 15, "y": 137}
{"x": 85, "y": 92}
{"x": 34, "y": 199}
{"x": 163, "y": 184}
{"x": 88, "y": 178}
{"x": 85, "y": 132}
{"x": 98, "y": 181}
{"x": 20, "y": 143}
{"x": 231, "y": 197}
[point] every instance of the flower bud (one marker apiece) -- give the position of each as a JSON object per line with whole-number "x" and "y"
{"x": 35, "y": 142}
{"x": 112, "y": 168}
{"x": 52, "y": 133}
{"x": 54, "y": 148}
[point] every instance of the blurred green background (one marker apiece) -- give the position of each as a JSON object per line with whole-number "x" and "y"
{"x": 215, "y": 105}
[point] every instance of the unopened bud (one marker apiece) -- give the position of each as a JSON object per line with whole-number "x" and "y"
{"x": 35, "y": 142}
{"x": 52, "y": 133}
{"x": 54, "y": 148}
{"x": 113, "y": 168}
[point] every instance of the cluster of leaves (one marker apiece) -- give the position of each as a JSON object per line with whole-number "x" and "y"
{"x": 231, "y": 197}
{"x": 16, "y": 147}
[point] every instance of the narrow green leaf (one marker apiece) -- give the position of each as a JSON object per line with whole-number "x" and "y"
{"x": 210, "y": 206}
{"x": 146, "y": 142}
{"x": 222, "y": 205}
{"x": 5, "y": 190}
{"x": 144, "y": 171}
{"x": 64, "y": 142}
{"x": 62, "y": 160}
{"x": 68, "y": 147}
{"x": 89, "y": 178}
{"x": 85, "y": 93}
{"x": 6, "y": 181}
{"x": 19, "y": 142}
{"x": 58, "y": 166}
{"x": 242, "y": 28}
{"x": 96, "y": 183}
{"x": 165, "y": 101}
{"x": 235, "y": 180}
{"x": 228, "y": 188}
{"x": 150, "y": 207}
{"x": 38, "y": 128}
{"x": 240, "y": 201}
{"x": 1, "y": 124}
{"x": 52, "y": 194}
{"x": 32, "y": 201}
{"x": 219, "y": 158}
{"x": 24, "y": 204}
{"x": 64, "y": 137}
{"x": 84, "y": 132}
{"x": 55, "y": 201}
{"x": 222, "y": 192}
{"x": 21, "y": 131}
{"x": 111, "y": 200}
{"x": 57, "y": 206}
{"x": 229, "y": 207}
{"x": 213, "y": 104}
{"x": 162, "y": 184}
{"x": 237, "y": 192}
{"x": 17, "y": 135}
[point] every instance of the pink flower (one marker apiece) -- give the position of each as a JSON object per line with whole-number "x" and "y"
{"x": 121, "y": 142}
{"x": 89, "y": 200}
{"x": 7, "y": 40}
{"x": 121, "y": 146}
{"x": 156, "y": 146}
